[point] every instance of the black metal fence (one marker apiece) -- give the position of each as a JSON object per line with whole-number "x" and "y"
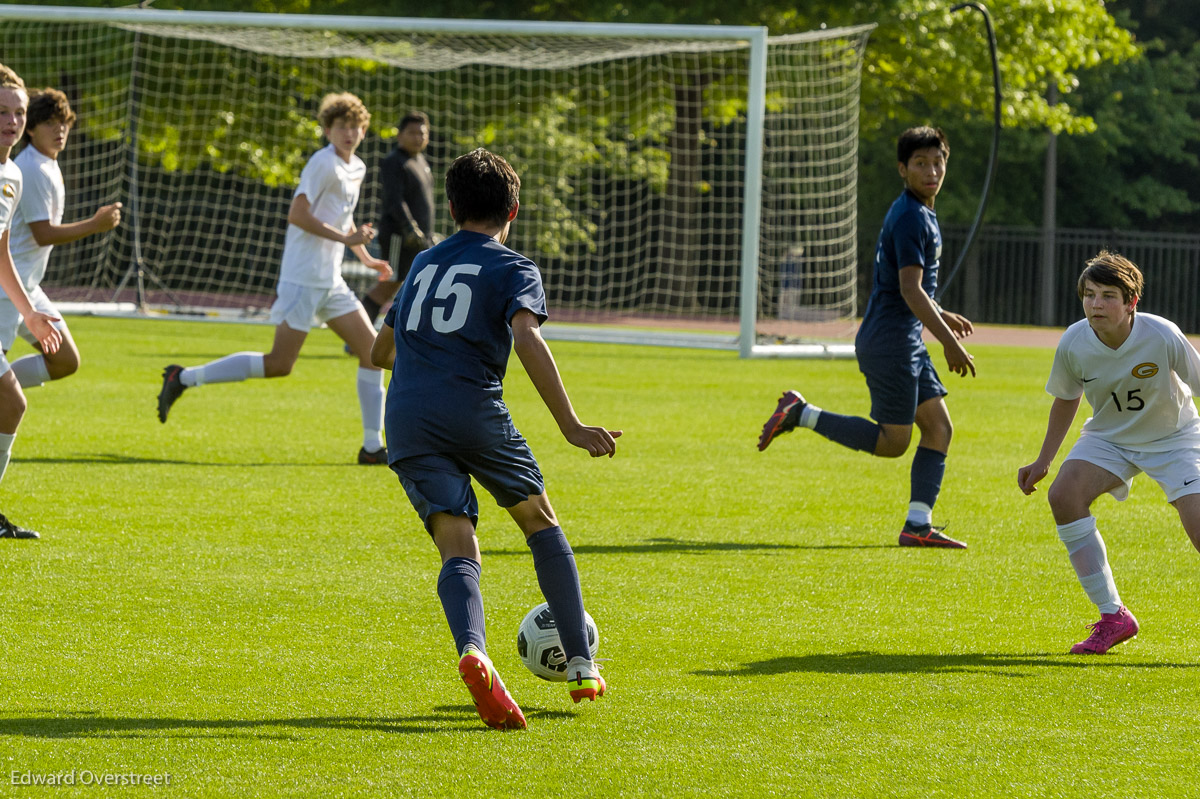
{"x": 1004, "y": 280}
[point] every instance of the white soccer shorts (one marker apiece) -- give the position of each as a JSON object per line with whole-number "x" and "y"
{"x": 1176, "y": 471}
{"x": 302, "y": 307}
{"x": 12, "y": 325}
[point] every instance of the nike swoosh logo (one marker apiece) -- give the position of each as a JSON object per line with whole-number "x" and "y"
{"x": 1088, "y": 379}
{"x": 1189, "y": 482}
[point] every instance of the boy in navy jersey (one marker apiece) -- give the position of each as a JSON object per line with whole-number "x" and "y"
{"x": 1139, "y": 374}
{"x": 904, "y": 385}
{"x": 464, "y": 305}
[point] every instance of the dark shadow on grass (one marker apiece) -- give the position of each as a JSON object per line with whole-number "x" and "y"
{"x": 660, "y": 545}
{"x": 112, "y": 458}
{"x": 89, "y": 724}
{"x": 972, "y": 662}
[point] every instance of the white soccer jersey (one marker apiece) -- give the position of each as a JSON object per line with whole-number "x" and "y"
{"x": 43, "y": 197}
{"x": 1141, "y": 392}
{"x": 331, "y": 186}
{"x": 10, "y": 193}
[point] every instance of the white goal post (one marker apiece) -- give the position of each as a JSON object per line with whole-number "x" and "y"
{"x": 697, "y": 180}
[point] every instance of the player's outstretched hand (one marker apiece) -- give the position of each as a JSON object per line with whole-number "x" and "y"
{"x": 596, "y": 440}
{"x": 959, "y": 360}
{"x": 1029, "y": 476}
{"x": 959, "y": 325}
{"x": 108, "y": 217}
{"x": 42, "y": 327}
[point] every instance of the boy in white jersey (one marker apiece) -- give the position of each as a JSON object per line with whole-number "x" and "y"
{"x": 37, "y": 226}
{"x": 1139, "y": 373}
{"x": 14, "y": 103}
{"x": 311, "y": 289}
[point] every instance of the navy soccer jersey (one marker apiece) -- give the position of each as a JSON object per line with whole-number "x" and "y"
{"x": 910, "y": 237}
{"x": 452, "y": 322}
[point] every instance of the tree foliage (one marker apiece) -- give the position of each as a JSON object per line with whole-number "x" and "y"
{"x": 1127, "y": 76}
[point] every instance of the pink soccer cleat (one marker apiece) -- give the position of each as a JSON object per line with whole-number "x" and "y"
{"x": 1112, "y": 629}
{"x": 495, "y": 704}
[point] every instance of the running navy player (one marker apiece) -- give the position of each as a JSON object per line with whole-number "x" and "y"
{"x": 905, "y": 388}
{"x": 1139, "y": 374}
{"x": 311, "y": 289}
{"x": 14, "y": 103}
{"x": 466, "y": 303}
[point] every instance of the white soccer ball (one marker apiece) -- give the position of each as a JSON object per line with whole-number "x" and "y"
{"x": 541, "y": 649}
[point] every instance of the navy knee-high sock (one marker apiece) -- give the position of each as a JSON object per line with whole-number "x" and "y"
{"x": 462, "y": 602}
{"x": 854, "y": 432}
{"x": 928, "y": 468}
{"x": 558, "y": 578}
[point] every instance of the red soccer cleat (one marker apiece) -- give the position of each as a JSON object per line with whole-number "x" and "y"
{"x": 784, "y": 420}
{"x": 495, "y": 704}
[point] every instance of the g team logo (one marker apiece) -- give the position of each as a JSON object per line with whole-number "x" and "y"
{"x": 8, "y": 190}
{"x": 1144, "y": 370}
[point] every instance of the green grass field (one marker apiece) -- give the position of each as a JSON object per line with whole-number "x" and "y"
{"x": 227, "y": 600}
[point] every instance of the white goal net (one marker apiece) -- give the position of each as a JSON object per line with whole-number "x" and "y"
{"x": 667, "y": 180}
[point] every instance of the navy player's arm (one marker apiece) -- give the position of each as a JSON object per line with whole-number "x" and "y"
{"x": 535, "y": 356}
{"x": 383, "y": 351}
{"x": 1062, "y": 415}
{"x": 923, "y": 307}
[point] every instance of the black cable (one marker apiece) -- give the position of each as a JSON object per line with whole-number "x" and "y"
{"x": 991, "y": 167}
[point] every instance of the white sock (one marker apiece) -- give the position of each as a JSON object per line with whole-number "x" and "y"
{"x": 6, "y": 442}
{"x": 230, "y": 369}
{"x": 370, "y": 401}
{"x": 919, "y": 513}
{"x": 809, "y": 416}
{"x": 1089, "y": 557}
{"x": 31, "y": 370}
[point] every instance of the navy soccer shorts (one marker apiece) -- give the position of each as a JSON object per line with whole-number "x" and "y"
{"x": 898, "y": 384}
{"x": 441, "y": 483}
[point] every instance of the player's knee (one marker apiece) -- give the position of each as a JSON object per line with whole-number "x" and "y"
{"x": 63, "y": 367}
{"x": 1064, "y": 502}
{"x": 12, "y": 408}
{"x": 276, "y": 367}
{"x": 892, "y": 446}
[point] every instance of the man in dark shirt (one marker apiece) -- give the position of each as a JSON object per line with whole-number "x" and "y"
{"x": 406, "y": 227}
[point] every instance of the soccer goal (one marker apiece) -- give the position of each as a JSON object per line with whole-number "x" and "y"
{"x": 688, "y": 185}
